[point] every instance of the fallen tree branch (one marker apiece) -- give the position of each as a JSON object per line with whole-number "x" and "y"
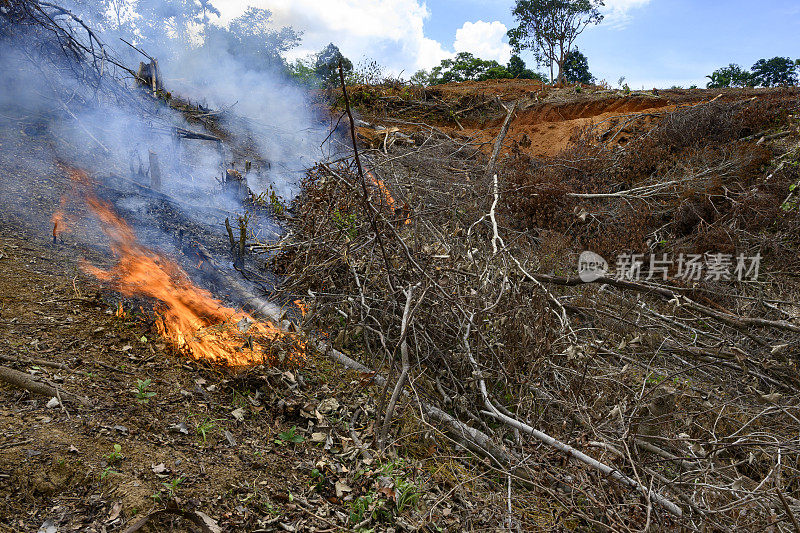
{"x": 406, "y": 367}
{"x": 498, "y": 142}
{"x": 38, "y": 362}
{"x": 557, "y": 444}
{"x": 667, "y": 293}
{"x": 472, "y": 439}
{"x": 788, "y": 509}
{"x": 24, "y": 381}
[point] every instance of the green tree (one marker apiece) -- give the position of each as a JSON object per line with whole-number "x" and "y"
{"x": 251, "y": 38}
{"x": 421, "y": 77}
{"x": 516, "y": 67}
{"x": 326, "y": 65}
{"x": 731, "y": 76}
{"x": 464, "y": 67}
{"x": 303, "y": 71}
{"x": 495, "y": 72}
{"x": 549, "y": 28}
{"x": 775, "y": 71}
{"x": 576, "y": 68}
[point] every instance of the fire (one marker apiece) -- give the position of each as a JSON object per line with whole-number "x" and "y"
{"x": 384, "y": 190}
{"x": 302, "y": 307}
{"x": 59, "y": 219}
{"x": 58, "y": 222}
{"x": 388, "y": 199}
{"x": 195, "y": 322}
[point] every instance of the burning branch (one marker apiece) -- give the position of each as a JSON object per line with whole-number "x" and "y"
{"x": 198, "y": 324}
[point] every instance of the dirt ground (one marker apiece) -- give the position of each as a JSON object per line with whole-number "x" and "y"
{"x": 60, "y": 464}
{"x": 546, "y": 118}
{"x": 258, "y": 449}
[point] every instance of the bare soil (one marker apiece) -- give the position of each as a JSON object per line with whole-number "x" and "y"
{"x": 547, "y": 117}
{"x": 258, "y": 449}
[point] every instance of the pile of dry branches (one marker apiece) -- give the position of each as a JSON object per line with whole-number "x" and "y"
{"x": 676, "y": 403}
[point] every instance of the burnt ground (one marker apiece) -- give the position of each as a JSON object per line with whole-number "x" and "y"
{"x": 211, "y": 440}
{"x": 260, "y": 449}
{"x": 186, "y": 446}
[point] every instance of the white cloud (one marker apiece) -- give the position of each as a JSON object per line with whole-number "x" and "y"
{"x": 484, "y": 40}
{"x": 390, "y": 31}
{"x": 617, "y": 11}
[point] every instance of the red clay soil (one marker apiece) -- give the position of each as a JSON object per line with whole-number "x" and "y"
{"x": 549, "y": 116}
{"x": 545, "y": 129}
{"x": 504, "y": 89}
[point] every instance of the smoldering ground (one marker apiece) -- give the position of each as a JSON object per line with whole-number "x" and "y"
{"x": 51, "y": 115}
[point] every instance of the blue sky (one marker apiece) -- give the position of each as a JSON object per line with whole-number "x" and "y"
{"x": 653, "y": 43}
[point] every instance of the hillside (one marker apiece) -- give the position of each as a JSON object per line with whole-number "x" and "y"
{"x": 483, "y": 306}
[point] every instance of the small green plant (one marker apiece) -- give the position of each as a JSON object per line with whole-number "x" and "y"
{"x": 106, "y": 471}
{"x": 359, "y": 508}
{"x": 626, "y": 89}
{"x": 204, "y": 429}
{"x": 271, "y": 199}
{"x": 346, "y": 223}
{"x": 173, "y": 486}
{"x": 654, "y": 379}
{"x": 116, "y": 455}
{"x": 142, "y": 394}
{"x": 276, "y": 202}
{"x": 791, "y": 202}
{"x": 365, "y": 506}
{"x": 407, "y": 494}
{"x": 289, "y": 437}
{"x": 318, "y": 479}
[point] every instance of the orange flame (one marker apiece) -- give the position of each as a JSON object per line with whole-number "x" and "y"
{"x": 59, "y": 218}
{"x": 198, "y": 324}
{"x": 384, "y": 190}
{"x": 388, "y": 199}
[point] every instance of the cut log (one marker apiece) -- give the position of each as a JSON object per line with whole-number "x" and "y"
{"x": 149, "y": 76}
{"x": 236, "y": 184}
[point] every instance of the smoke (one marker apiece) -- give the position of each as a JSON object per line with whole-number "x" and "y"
{"x": 112, "y": 132}
{"x": 198, "y": 61}
{"x": 53, "y": 111}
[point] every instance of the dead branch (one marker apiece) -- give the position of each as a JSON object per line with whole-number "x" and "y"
{"x": 39, "y": 362}
{"x": 550, "y": 441}
{"x": 472, "y": 439}
{"x": 24, "y": 381}
{"x": 498, "y": 142}
{"x": 406, "y": 366}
